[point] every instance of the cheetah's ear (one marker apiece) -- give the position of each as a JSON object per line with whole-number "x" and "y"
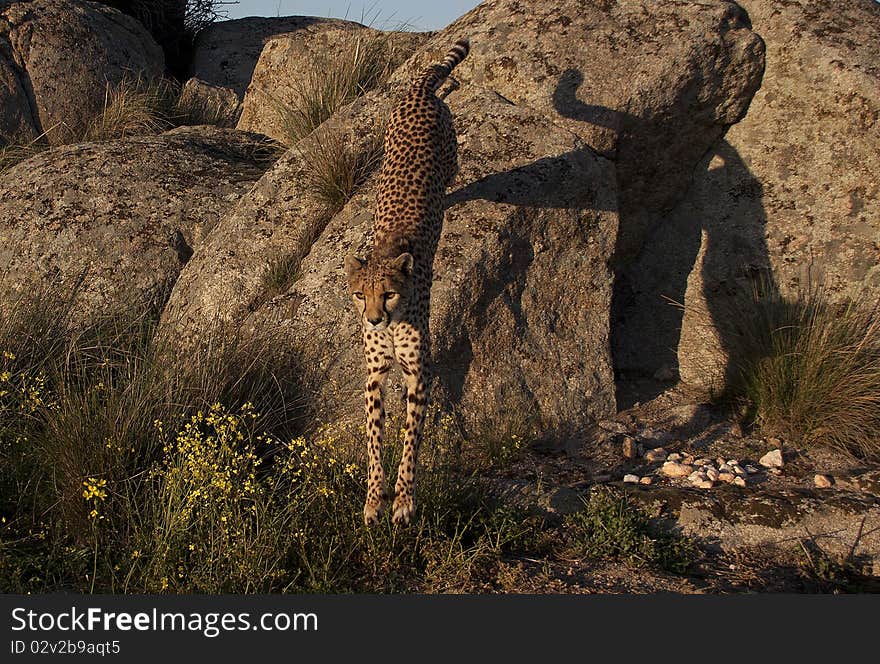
{"x": 353, "y": 265}
{"x": 404, "y": 263}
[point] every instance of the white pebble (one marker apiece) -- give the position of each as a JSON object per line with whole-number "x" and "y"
{"x": 773, "y": 459}
{"x": 658, "y": 454}
{"x": 674, "y": 469}
{"x": 823, "y": 481}
{"x": 631, "y": 479}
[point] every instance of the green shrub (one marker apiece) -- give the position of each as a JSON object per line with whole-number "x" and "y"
{"x": 610, "y": 527}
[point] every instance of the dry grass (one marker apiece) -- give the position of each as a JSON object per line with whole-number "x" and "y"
{"x": 336, "y": 168}
{"x": 335, "y": 171}
{"x": 333, "y": 80}
{"x": 809, "y": 368}
{"x": 134, "y": 107}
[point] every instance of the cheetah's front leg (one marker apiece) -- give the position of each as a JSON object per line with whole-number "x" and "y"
{"x": 411, "y": 349}
{"x": 379, "y": 353}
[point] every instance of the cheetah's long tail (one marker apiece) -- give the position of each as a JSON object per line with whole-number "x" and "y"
{"x": 433, "y": 76}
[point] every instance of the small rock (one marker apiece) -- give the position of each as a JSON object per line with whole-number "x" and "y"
{"x": 631, "y": 479}
{"x": 720, "y": 461}
{"x": 703, "y": 461}
{"x": 629, "y": 447}
{"x": 704, "y": 484}
{"x": 613, "y": 427}
{"x": 712, "y": 474}
{"x": 675, "y": 469}
{"x": 772, "y": 459}
{"x": 823, "y": 481}
{"x": 736, "y": 429}
{"x": 675, "y": 456}
{"x": 740, "y": 481}
{"x": 751, "y": 470}
{"x": 738, "y": 470}
{"x": 774, "y": 442}
{"x": 652, "y": 439}
{"x": 689, "y": 460}
{"x": 726, "y": 477}
{"x": 725, "y": 468}
{"x": 775, "y": 471}
{"x": 646, "y": 480}
{"x": 697, "y": 477}
{"x": 658, "y": 454}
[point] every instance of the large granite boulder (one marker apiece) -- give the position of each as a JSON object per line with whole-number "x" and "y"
{"x": 298, "y": 60}
{"x": 226, "y": 52}
{"x": 57, "y": 58}
{"x": 788, "y": 200}
{"x": 124, "y": 215}
{"x": 524, "y": 269}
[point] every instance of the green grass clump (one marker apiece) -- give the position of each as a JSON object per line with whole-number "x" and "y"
{"x": 810, "y": 369}
{"x": 610, "y": 527}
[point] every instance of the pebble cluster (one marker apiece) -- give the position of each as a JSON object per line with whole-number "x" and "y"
{"x": 705, "y": 473}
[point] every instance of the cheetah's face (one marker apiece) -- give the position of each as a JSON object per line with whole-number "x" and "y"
{"x": 379, "y": 288}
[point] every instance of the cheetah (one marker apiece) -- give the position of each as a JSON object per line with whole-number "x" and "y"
{"x": 391, "y": 289}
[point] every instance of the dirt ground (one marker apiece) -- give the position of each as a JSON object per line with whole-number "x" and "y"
{"x": 684, "y": 421}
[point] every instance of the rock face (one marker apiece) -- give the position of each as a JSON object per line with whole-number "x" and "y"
{"x": 58, "y": 56}
{"x": 226, "y": 52}
{"x": 295, "y": 59}
{"x": 128, "y": 213}
{"x": 523, "y": 274}
{"x": 792, "y": 190}
{"x": 649, "y": 85}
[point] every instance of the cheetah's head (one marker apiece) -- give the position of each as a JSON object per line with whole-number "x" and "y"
{"x": 379, "y": 288}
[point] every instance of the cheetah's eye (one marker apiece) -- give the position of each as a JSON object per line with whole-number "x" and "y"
{"x": 358, "y": 295}
{"x": 390, "y": 295}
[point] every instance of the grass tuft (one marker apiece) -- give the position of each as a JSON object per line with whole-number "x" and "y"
{"x": 336, "y": 169}
{"x": 332, "y": 81}
{"x": 810, "y": 369}
{"x": 134, "y": 107}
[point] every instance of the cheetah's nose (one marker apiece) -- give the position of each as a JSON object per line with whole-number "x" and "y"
{"x": 374, "y": 321}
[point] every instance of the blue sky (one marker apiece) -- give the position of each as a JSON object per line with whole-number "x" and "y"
{"x": 380, "y": 13}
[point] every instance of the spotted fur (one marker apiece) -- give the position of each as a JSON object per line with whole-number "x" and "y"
{"x": 392, "y": 288}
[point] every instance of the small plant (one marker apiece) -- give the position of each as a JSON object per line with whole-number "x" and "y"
{"x": 335, "y": 171}
{"x": 831, "y": 573}
{"x": 610, "y": 527}
{"x": 810, "y": 369}
{"x": 281, "y": 272}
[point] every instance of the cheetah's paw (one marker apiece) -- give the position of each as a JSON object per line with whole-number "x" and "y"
{"x": 404, "y": 508}
{"x": 373, "y": 511}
